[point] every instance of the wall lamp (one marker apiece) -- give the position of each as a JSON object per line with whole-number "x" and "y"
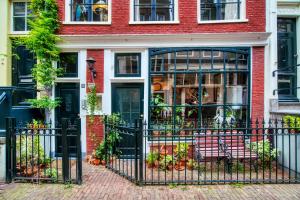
{"x": 91, "y": 64}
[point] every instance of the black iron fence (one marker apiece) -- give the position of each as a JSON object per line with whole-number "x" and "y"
{"x": 37, "y": 152}
{"x": 262, "y": 152}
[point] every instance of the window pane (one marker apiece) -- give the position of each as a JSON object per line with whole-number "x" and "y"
{"x": 89, "y": 10}
{"x": 69, "y": 64}
{"x": 162, "y": 89}
{"x": 219, "y": 9}
{"x": 237, "y": 88}
{"x": 19, "y": 24}
{"x": 157, "y": 10}
{"x": 128, "y": 64}
{"x": 212, "y": 88}
{"x": 163, "y": 62}
{"x": 19, "y": 8}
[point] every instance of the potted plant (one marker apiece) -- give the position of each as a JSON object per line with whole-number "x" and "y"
{"x": 191, "y": 164}
{"x": 99, "y": 154}
{"x": 181, "y": 152}
{"x": 166, "y": 163}
{"x": 152, "y": 159}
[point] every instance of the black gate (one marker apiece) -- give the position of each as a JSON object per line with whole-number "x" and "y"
{"x": 264, "y": 152}
{"x": 31, "y": 152}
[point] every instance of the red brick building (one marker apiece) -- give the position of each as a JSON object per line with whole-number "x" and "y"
{"x": 204, "y": 59}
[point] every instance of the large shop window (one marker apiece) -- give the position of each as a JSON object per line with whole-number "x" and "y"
{"x": 220, "y": 9}
{"x": 89, "y": 10}
{"x": 21, "y": 14}
{"x": 128, "y": 65}
{"x": 200, "y": 87}
{"x": 153, "y": 10}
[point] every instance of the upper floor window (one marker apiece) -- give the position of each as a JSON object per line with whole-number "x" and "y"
{"x": 221, "y": 10}
{"x": 154, "y": 10}
{"x": 21, "y": 13}
{"x": 89, "y": 10}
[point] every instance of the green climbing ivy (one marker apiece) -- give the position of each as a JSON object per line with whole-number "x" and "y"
{"x": 42, "y": 41}
{"x": 92, "y": 102}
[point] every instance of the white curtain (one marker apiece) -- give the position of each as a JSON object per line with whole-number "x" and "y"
{"x": 231, "y": 11}
{"x": 136, "y": 10}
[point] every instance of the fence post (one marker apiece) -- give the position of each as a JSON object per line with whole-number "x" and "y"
{"x": 140, "y": 142}
{"x": 136, "y": 146}
{"x": 79, "y": 153}
{"x": 65, "y": 150}
{"x": 9, "y": 127}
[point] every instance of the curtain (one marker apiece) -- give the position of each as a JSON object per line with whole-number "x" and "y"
{"x": 231, "y": 11}
{"x": 136, "y": 10}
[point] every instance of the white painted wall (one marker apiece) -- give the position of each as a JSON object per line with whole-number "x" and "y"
{"x": 2, "y": 159}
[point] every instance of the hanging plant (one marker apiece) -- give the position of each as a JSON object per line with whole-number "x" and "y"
{"x": 42, "y": 41}
{"x": 92, "y": 102}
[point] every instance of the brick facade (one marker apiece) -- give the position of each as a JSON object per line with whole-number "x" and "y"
{"x": 94, "y": 129}
{"x": 255, "y": 13}
{"x": 257, "y": 76}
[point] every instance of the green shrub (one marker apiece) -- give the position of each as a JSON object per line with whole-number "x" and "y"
{"x": 100, "y": 151}
{"x": 181, "y": 151}
{"x": 237, "y": 167}
{"x": 292, "y": 121}
{"x": 265, "y": 152}
{"x": 165, "y": 162}
{"x": 51, "y": 173}
{"x": 152, "y": 157}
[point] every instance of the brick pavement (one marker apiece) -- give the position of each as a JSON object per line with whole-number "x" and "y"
{"x": 100, "y": 183}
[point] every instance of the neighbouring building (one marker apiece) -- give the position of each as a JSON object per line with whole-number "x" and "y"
{"x": 284, "y": 60}
{"x": 207, "y": 59}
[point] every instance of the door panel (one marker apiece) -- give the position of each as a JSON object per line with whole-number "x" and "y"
{"x": 69, "y": 108}
{"x": 127, "y": 100}
{"x": 287, "y": 51}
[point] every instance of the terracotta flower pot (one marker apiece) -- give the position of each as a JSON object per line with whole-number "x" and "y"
{"x": 179, "y": 167}
{"x": 96, "y": 161}
{"x": 103, "y": 162}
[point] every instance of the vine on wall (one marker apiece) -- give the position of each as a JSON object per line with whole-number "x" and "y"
{"x": 42, "y": 41}
{"x": 92, "y": 102}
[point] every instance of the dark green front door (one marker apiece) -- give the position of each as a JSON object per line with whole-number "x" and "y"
{"x": 127, "y": 100}
{"x": 287, "y": 59}
{"x": 69, "y": 108}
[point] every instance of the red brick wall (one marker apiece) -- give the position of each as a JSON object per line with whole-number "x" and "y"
{"x": 95, "y": 129}
{"x": 258, "y": 82}
{"x": 187, "y": 17}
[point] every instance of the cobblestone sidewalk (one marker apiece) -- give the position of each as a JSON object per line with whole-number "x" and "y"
{"x": 100, "y": 183}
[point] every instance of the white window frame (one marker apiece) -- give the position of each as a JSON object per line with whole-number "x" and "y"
{"x": 68, "y": 20}
{"x": 242, "y": 15}
{"x": 26, "y": 31}
{"x": 175, "y": 21}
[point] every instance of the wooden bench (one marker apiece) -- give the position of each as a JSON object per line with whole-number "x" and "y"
{"x": 208, "y": 147}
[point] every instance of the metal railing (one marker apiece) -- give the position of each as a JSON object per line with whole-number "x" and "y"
{"x": 40, "y": 153}
{"x": 263, "y": 152}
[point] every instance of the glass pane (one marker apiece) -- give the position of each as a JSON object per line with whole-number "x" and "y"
{"x": 164, "y": 62}
{"x": 242, "y": 61}
{"x": 19, "y": 24}
{"x": 231, "y": 60}
{"x": 162, "y": 89}
{"x": 148, "y": 10}
{"x": 237, "y": 88}
{"x": 219, "y": 9}
{"x": 19, "y": 9}
{"x": 194, "y": 60}
{"x": 89, "y": 10}
{"x": 206, "y": 60}
{"x": 69, "y": 64}
{"x": 128, "y": 64}
{"x": 218, "y": 60}
{"x": 208, "y": 116}
{"x": 285, "y": 84}
{"x": 212, "y": 88}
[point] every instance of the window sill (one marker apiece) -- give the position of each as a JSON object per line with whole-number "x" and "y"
{"x": 223, "y": 21}
{"x": 19, "y": 32}
{"x": 87, "y": 23}
{"x": 153, "y": 22}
